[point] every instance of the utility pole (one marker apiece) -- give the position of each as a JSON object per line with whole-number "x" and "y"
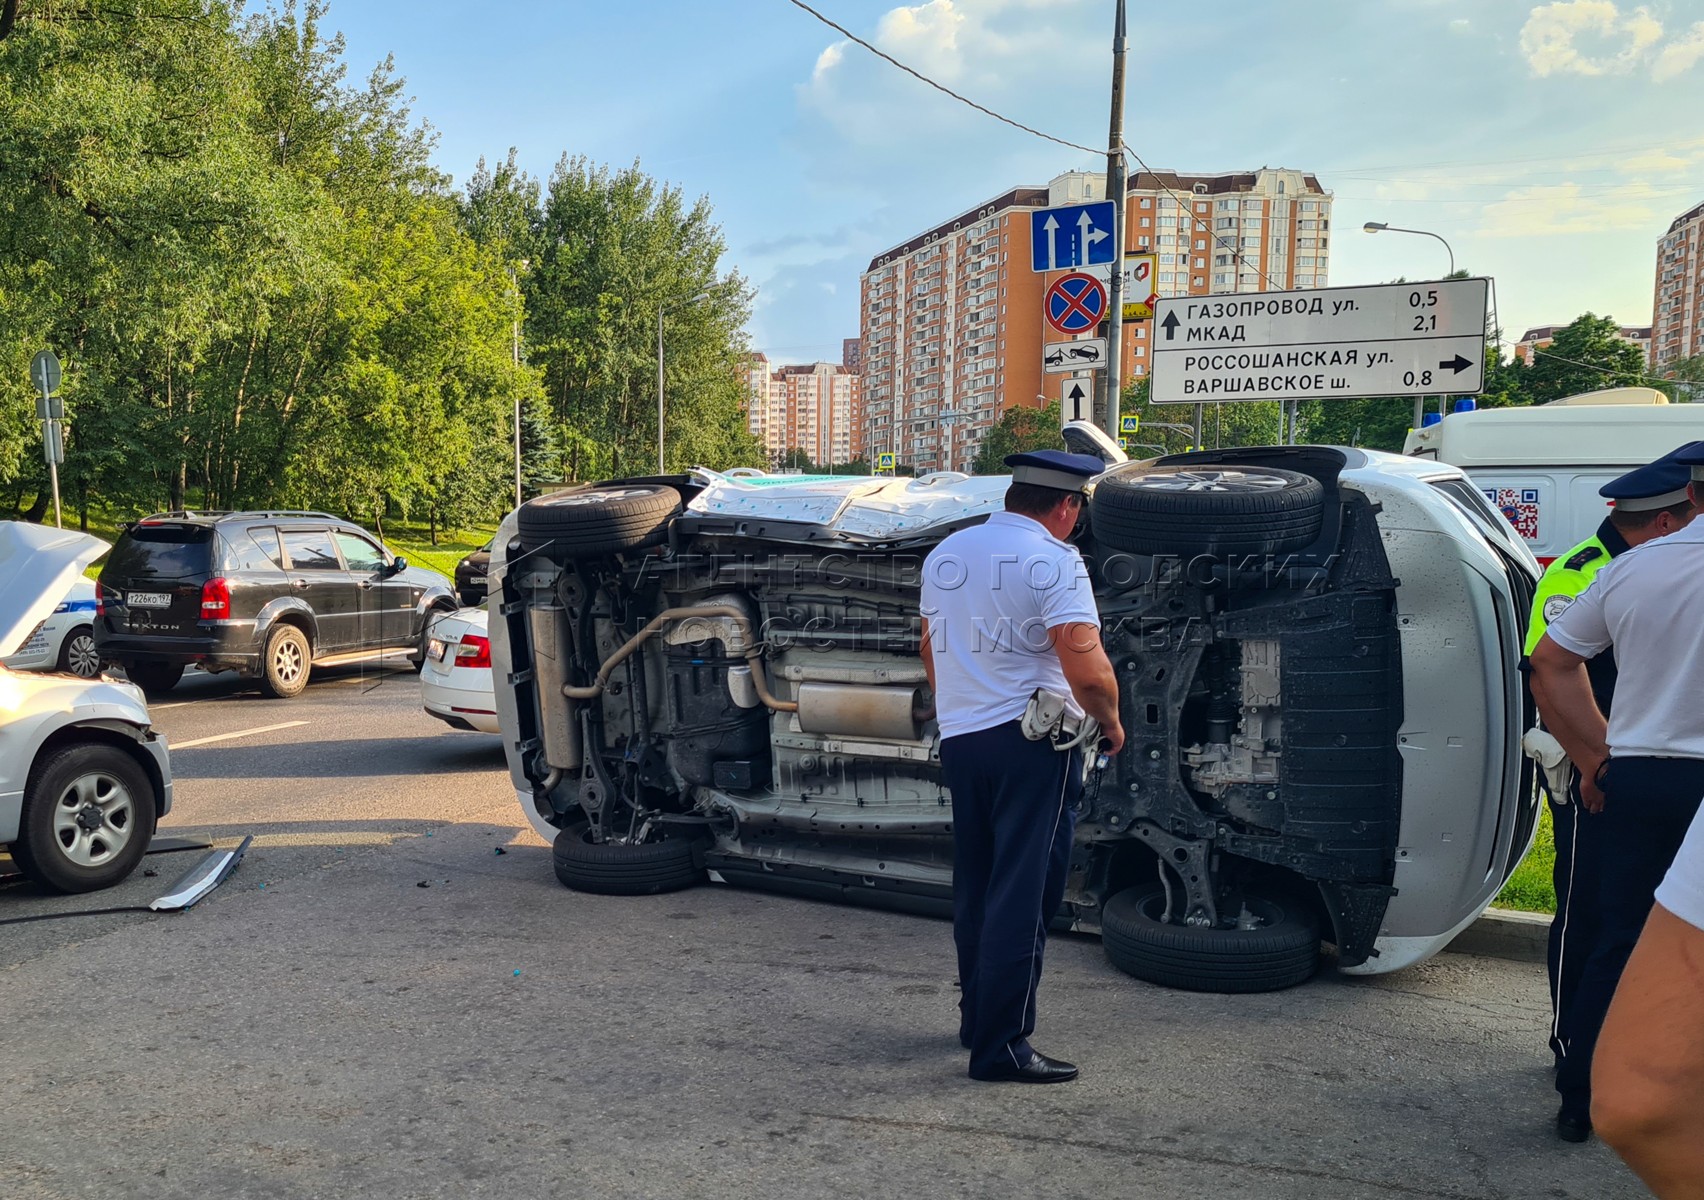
{"x": 1115, "y": 193}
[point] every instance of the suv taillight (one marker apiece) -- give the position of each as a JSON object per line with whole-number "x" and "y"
{"x": 215, "y": 600}
{"x": 100, "y": 602}
{"x": 473, "y": 651}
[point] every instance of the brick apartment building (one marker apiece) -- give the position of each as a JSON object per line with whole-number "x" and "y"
{"x": 1677, "y": 322}
{"x": 1539, "y": 337}
{"x": 951, "y": 320}
{"x": 814, "y": 407}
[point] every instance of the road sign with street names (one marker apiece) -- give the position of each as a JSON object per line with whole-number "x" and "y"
{"x": 1398, "y": 339}
{"x": 1062, "y": 358}
{"x": 1075, "y": 304}
{"x": 1075, "y": 235}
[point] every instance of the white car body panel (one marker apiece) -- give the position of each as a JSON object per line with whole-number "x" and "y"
{"x": 38, "y": 566}
{"x": 453, "y": 693}
{"x": 41, "y": 650}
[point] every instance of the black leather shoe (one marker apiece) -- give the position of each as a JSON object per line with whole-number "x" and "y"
{"x": 1573, "y": 1128}
{"x": 1039, "y": 1069}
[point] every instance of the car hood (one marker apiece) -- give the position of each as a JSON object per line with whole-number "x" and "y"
{"x": 38, "y": 567}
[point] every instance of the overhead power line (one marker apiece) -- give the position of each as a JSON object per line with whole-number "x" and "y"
{"x": 918, "y": 75}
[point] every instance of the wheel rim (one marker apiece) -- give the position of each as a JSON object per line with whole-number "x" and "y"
{"x": 1265, "y": 911}
{"x": 82, "y": 657}
{"x": 1212, "y": 481}
{"x": 94, "y": 819}
{"x": 287, "y": 661}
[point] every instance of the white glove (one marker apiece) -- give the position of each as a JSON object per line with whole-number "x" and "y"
{"x": 1542, "y": 747}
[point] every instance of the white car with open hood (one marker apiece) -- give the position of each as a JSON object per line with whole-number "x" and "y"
{"x": 84, "y": 778}
{"x": 715, "y": 676}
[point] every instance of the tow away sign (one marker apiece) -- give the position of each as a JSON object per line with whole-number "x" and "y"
{"x": 1399, "y": 339}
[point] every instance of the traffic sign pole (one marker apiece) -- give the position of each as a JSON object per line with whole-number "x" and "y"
{"x": 1115, "y": 193}
{"x": 45, "y": 374}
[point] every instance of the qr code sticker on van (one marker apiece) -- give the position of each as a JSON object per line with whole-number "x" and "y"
{"x": 1519, "y": 506}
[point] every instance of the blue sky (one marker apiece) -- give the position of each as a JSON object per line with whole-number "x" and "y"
{"x": 1551, "y": 143}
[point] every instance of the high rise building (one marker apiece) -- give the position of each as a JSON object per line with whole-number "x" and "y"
{"x": 852, "y": 355}
{"x": 951, "y": 320}
{"x": 1677, "y": 321}
{"x": 815, "y": 407}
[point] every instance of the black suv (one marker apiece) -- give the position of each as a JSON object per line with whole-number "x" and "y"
{"x": 265, "y": 594}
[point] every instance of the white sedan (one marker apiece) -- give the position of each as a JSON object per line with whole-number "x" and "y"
{"x": 65, "y": 641}
{"x": 455, "y": 679}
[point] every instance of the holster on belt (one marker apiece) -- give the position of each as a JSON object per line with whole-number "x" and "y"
{"x": 1048, "y": 716}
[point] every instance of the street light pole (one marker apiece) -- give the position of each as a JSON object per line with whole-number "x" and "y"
{"x": 661, "y": 309}
{"x": 1115, "y": 187}
{"x": 1381, "y": 227}
{"x": 515, "y": 350}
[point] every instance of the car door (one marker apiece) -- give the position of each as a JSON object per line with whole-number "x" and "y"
{"x": 318, "y": 579}
{"x": 385, "y": 614}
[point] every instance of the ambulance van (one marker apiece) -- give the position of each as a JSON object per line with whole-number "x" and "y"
{"x": 1541, "y": 466}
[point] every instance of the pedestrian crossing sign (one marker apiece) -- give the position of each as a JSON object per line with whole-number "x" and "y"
{"x": 1128, "y": 424}
{"x": 1124, "y": 443}
{"x": 884, "y": 461}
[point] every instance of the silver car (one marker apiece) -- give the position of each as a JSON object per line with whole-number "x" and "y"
{"x": 84, "y": 779}
{"x": 716, "y": 677}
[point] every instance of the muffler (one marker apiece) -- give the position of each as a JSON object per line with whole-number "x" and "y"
{"x": 848, "y": 710}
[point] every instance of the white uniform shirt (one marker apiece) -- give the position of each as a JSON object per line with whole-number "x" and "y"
{"x": 1649, "y": 605}
{"x": 990, "y": 594}
{"x": 1682, "y": 890}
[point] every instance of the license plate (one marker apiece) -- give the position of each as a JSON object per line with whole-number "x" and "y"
{"x": 149, "y": 600}
{"x": 437, "y": 649}
{"x": 479, "y": 580}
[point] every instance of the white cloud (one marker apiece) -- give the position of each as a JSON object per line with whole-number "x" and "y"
{"x": 1680, "y": 55}
{"x": 828, "y": 60}
{"x": 1551, "y": 38}
{"x": 1567, "y": 209}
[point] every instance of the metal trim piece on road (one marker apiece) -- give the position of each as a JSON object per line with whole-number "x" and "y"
{"x": 225, "y": 737}
{"x": 202, "y": 878}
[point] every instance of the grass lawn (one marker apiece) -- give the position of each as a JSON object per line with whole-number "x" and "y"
{"x": 1529, "y": 888}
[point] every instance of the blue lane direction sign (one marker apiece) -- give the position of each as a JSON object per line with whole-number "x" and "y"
{"x": 1075, "y": 235}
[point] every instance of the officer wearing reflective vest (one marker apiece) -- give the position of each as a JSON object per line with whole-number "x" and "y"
{"x": 1648, "y": 503}
{"x": 1023, "y": 687}
{"x": 1641, "y": 769}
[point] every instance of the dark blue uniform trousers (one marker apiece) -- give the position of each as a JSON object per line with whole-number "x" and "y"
{"x": 1648, "y": 805}
{"x": 1573, "y": 931}
{"x": 1014, "y": 810}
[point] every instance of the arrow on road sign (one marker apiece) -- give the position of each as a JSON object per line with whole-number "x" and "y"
{"x": 1170, "y": 325}
{"x": 1052, "y": 227}
{"x": 1458, "y": 364}
{"x": 1075, "y": 396}
{"x": 1088, "y": 235}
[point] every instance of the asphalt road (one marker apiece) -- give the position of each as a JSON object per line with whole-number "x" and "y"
{"x": 326, "y": 1026}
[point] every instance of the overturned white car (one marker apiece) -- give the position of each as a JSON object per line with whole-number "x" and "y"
{"x": 717, "y": 676}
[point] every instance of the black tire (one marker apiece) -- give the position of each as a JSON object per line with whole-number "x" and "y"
{"x": 154, "y": 678}
{"x": 88, "y": 814}
{"x": 615, "y": 870}
{"x": 78, "y": 654}
{"x": 1283, "y": 952}
{"x": 1209, "y": 509}
{"x": 599, "y": 520}
{"x": 471, "y": 600}
{"x": 286, "y": 660}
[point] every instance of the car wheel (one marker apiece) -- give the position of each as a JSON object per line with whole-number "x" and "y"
{"x": 471, "y": 599}
{"x": 88, "y": 814}
{"x": 154, "y": 678}
{"x": 77, "y": 653}
{"x": 285, "y": 663}
{"x": 600, "y": 520}
{"x": 417, "y": 660}
{"x": 609, "y": 869}
{"x": 1281, "y": 951}
{"x": 1209, "y": 509}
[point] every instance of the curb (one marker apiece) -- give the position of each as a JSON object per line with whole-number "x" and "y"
{"x": 1505, "y": 933}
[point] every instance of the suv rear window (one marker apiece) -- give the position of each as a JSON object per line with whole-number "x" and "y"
{"x": 166, "y": 551}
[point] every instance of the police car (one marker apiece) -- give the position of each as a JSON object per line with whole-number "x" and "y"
{"x": 715, "y": 677}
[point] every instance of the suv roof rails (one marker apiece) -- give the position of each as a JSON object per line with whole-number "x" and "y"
{"x": 221, "y": 513}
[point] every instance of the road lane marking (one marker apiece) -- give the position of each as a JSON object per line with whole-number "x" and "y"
{"x": 174, "y": 704}
{"x": 225, "y": 737}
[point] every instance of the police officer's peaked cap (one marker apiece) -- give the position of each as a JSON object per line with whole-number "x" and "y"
{"x": 1054, "y": 469}
{"x": 1661, "y": 484}
{"x": 1692, "y": 455}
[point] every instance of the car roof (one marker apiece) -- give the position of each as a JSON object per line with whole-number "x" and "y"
{"x": 219, "y": 516}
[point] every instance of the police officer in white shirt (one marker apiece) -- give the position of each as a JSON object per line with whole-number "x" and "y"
{"x": 1648, "y": 1079}
{"x": 1009, "y": 615}
{"x": 1643, "y": 769}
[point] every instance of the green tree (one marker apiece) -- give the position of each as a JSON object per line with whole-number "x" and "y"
{"x": 1586, "y": 355}
{"x": 1020, "y": 429}
{"x": 794, "y": 459}
{"x": 1683, "y": 380}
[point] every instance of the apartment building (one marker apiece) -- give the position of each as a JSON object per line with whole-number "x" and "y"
{"x": 951, "y": 320}
{"x": 1677, "y": 321}
{"x": 814, "y": 407}
{"x": 1539, "y": 337}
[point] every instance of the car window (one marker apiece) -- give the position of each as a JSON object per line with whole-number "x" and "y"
{"x": 361, "y": 555}
{"x": 256, "y": 549}
{"x": 311, "y": 550}
{"x": 169, "y": 551}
